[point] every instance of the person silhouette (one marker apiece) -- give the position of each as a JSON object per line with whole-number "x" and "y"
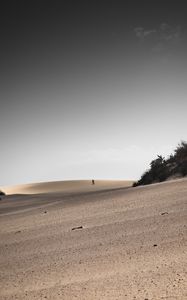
{"x": 93, "y": 181}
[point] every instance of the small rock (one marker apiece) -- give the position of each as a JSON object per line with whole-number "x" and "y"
{"x": 78, "y": 227}
{"x": 164, "y": 213}
{"x": 155, "y": 245}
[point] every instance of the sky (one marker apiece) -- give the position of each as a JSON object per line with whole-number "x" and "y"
{"x": 90, "y": 89}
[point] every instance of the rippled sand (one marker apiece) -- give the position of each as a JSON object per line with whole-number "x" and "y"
{"x": 126, "y": 243}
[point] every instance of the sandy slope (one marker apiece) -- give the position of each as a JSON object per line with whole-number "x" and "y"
{"x": 132, "y": 244}
{"x": 71, "y": 186}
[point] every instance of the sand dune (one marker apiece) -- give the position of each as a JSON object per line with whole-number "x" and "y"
{"x": 66, "y": 186}
{"x": 126, "y": 244}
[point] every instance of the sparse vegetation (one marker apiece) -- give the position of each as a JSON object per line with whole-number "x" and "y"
{"x": 2, "y": 193}
{"x": 162, "y": 169}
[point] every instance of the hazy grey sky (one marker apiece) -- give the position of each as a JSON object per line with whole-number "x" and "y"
{"x": 90, "y": 90}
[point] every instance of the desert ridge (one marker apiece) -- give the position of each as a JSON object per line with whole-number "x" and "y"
{"x": 68, "y": 186}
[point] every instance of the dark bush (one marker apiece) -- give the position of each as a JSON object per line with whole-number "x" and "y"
{"x": 183, "y": 168}
{"x": 181, "y": 152}
{"x": 161, "y": 168}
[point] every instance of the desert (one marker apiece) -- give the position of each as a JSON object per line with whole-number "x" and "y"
{"x": 102, "y": 241}
{"x": 93, "y": 150}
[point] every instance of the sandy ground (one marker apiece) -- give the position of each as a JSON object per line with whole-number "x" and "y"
{"x": 69, "y": 186}
{"x": 132, "y": 244}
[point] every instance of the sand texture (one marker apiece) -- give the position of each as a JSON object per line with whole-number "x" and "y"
{"x": 128, "y": 243}
{"x": 67, "y": 187}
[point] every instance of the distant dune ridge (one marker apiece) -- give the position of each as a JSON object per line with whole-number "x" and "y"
{"x": 68, "y": 186}
{"x": 108, "y": 243}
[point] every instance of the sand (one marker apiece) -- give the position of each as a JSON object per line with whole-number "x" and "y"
{"x": 130, "y": 244}
{"x": 69, "y": 186}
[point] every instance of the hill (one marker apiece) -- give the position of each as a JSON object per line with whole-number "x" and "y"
{"x": 120, "y": 244}
{"x": 69, "y": 186}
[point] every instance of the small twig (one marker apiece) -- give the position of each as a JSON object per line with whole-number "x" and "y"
{"x": 78, "y": 227}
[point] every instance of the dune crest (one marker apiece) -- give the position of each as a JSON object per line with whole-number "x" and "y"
{"x": 68, "y": 186}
